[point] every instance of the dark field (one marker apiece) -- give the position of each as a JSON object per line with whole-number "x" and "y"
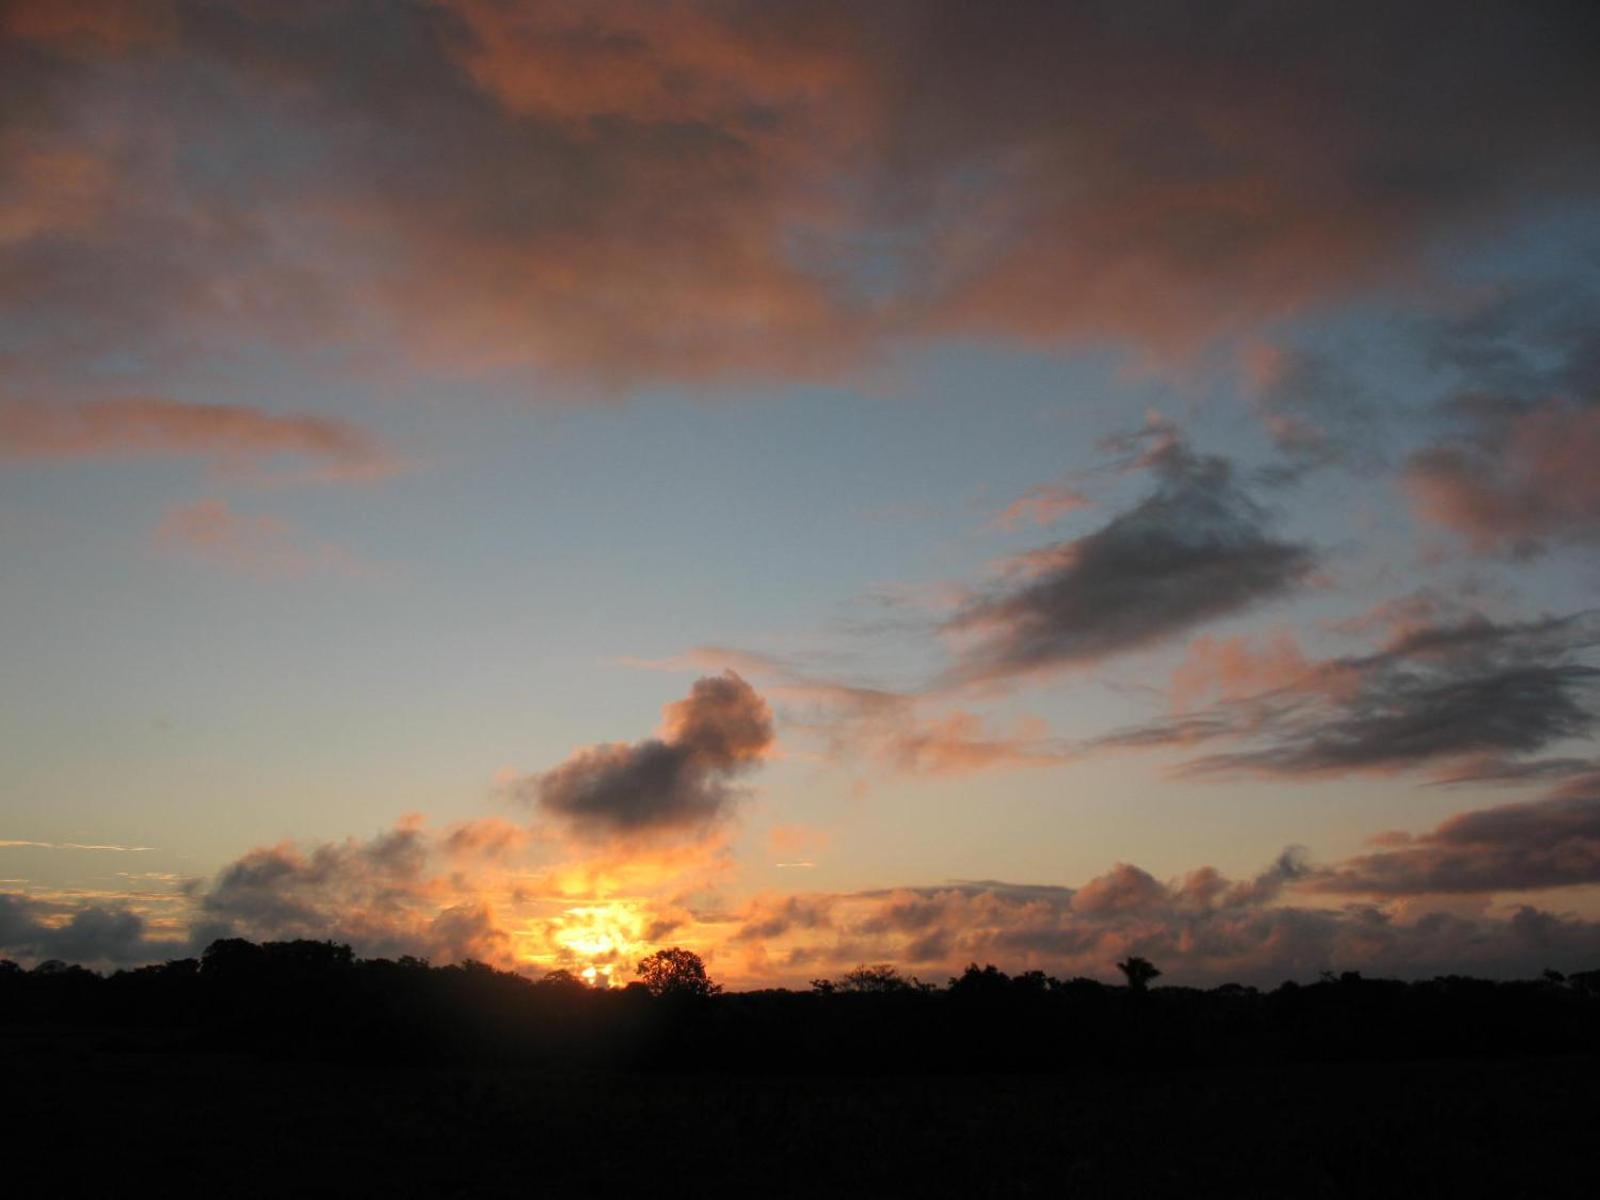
{"x": 109, "y": 1113}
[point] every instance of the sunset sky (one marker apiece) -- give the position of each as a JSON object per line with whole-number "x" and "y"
{"x": 814, "y": 484}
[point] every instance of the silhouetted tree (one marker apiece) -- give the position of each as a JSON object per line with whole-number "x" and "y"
{"x": 676, "y": 972}
{"x": 878, "y": 979}
{"x": 1139, "y": 972}
{"x": 979, "y": 982}
{"x": 560, "y": 979}
{"x": 231, "y": 959}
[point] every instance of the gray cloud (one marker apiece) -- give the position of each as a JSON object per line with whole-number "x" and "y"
{"x": 381, "y": 895}
{"x": 1546, "y": 843}
{"x": 678, "y": 780}
{"x": 1197, "y": 548}
{"x": 1470, "y": 699}
{"x": 92, "y": 935}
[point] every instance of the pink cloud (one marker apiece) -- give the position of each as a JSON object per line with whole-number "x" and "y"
{"x": 258, "y": 546}
{"x": 1042, "y": 505}
{"x": 1512, "y": 488}
{"x": 147, "y": 426}
{"x": 1232, "y": 668}
{"x": 715, "y": 191}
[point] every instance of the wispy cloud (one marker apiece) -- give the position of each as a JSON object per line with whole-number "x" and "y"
{"x": 1460, "y": 698}
{"x": 6, "y": 843}
{"x": 254, "y": 545}
{"x": 234, "y": 438}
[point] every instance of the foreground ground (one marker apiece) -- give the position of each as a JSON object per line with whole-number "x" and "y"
{"x": 90, "y": 1113}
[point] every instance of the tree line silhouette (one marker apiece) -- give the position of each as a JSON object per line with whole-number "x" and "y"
{"x": 318, "y": 1000}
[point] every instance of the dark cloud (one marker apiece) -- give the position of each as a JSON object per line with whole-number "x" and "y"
{"x": 1546, "y": 843}
{"x": 1467, "y": 699}
{"x": 678, "y": 780}
{"x": 92, "y": 935}
{"x": 717, "y": 189}
{"x": 1196, "y": 549}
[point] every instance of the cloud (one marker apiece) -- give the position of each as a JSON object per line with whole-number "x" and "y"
{"x": 732, "y": 190}
{"x": 678, "y": 780}
{"x": 768, "y": 917}
{"x": 259, "y": 547}
{"x": 105, "y": 24}
{"x": 1236, "y": 667}
{"x": 1041, "y": 505}
{"x": 1471, "y": 695}
{"x": 405, "y": 891}
{"x": 486, "y": 889}
{"x": 92, "y": 935}
{"x": 1200, "y": 928}
{"x": 888, "y": 731}
{"x": 1150, "y": 173}
{"x": 1546, "y": 843}
{"x": 1524, "y": 475}
{"x": 470, "y": 892}
{"x": 147, "y": 426}
{"x": 1197, "y": 548}
{"x": 1510, "y": 471}
{"x": 9, "y": 843}
{"x": 1315, "y": 412}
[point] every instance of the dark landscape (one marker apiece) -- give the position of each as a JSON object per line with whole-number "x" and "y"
{"x": 296, "y": 1069}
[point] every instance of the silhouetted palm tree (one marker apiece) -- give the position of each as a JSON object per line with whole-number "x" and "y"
{"x": 1139, "y": 972}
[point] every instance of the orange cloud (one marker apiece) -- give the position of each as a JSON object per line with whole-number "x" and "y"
{"x": 1232, "y": 668}
{"x": 721, "y": 190}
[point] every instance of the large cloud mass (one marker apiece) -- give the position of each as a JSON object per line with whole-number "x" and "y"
{"x": 717, "y": 188}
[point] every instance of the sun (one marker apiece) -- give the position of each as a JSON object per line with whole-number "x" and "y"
{"x": 606, "y": 935}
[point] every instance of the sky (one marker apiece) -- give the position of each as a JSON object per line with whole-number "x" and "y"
{"x": 822, "y": 484}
